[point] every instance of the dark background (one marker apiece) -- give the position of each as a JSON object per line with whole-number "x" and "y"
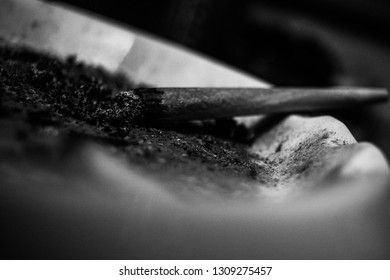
{"x": 288, "y": 43}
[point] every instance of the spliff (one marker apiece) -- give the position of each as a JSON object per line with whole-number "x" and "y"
{"x": 181, "y": 104}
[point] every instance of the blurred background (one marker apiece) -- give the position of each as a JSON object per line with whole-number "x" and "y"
{"x": 302, "y": 43}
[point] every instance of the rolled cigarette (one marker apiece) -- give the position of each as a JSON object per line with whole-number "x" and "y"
{"x": 210, "y": 103}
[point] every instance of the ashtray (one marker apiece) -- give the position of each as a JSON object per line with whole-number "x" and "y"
{"x": 317, "y": 193}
